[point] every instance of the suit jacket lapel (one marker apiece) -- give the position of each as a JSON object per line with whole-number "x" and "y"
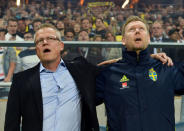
{"x": 71, "y": 66}
{"x": 37, "y": 94}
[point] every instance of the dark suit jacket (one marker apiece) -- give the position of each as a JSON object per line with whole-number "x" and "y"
{"x": 176, "y": 54}
{"x": 164, "y": 49}
{"x": 25, "y": 97}
{"x": 163, "y": 39}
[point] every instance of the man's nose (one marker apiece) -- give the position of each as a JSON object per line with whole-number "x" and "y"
{"x": 137, "y": 30}
{"x": 45, "y": 42}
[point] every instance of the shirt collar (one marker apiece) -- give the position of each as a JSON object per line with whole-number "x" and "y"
{"x": 158, "y": 39}
{"x": 43, "y": 69}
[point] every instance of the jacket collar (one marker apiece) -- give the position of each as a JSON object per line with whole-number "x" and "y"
{"x": 131, "y": 57}
{"x": 36, "y": 86}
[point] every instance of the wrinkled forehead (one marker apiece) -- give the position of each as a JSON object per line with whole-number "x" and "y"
{"x": 37, "y": 23}
{"x": 76, "y": 25}
{"x": 45, "y": 31}
{"x": 12, "y": 23}
{"x": 83, "y": 33}
{"x": 85, "y": 21}
{"x": 28, "y": 34}
{"x": 135, "y": 24}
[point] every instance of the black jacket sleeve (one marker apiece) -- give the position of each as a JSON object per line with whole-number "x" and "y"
{"x": 13, "y": 115}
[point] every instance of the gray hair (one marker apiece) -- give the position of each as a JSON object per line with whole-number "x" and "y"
{"x": 46, "y": 25}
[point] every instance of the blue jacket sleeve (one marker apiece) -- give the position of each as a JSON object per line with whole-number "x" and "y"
{"x": 179, "y": 79}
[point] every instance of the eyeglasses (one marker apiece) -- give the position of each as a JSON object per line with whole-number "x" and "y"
{"x": 156, "y": 28}
{"x": 69, "y": 36}
{"x": 28, "y": 37}
{"x": 48, "y": 39}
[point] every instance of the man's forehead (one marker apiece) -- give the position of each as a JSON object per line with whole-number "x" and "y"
{"x": 12, "y": 23}
{"x": 2, "y": 33}
{"x": 69, "y": 33}
{"x": 85, "y": 21}
{"x": 38, "y": 22}
{"x": 135, "y": 23}
{"x": 28, "y": 34}
{"x": 83, "y": 32}
{"x": 46, "y": 30}
{"x": 157, "y": 25}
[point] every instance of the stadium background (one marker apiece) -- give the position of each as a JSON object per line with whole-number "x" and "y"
{"x": 71, "y": 12}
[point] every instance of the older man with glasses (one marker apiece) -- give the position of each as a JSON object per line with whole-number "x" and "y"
{"x": 56, "y": 95}
{"x": 28, "y": 57}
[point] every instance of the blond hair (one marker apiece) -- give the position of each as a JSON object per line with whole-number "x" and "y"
{"x": 131, "y": 19}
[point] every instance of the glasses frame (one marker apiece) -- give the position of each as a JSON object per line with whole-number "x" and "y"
{"x": 47, "y": 39}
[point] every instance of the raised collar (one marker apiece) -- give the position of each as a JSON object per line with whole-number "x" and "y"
{"x": 158, "y": 39}
{"x": 131, "y": 57}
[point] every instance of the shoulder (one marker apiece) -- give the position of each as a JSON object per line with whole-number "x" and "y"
{"x": 18, "y": 38}
{"x": 151, "y": 39}
{"x": 80, "y": 63}
{"x": 7, "y": 36}
{"x": 23, "y": 53}
{"x": 28, "y": 73}
{"x": 78, "y": 60}
{"x": 157, "y": 64}
{"x": 113, "y": 66}
{"x": 167, "y": 40}
{"x": 10, "y": 50}
{"x": 27, "y": 52}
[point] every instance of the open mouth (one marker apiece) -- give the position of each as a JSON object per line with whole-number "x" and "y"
{"x": 46, "y": 50}
{"x": 138, "y": 39}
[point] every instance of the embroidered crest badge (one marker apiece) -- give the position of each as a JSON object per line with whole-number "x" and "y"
{"x": 152, "y": 74}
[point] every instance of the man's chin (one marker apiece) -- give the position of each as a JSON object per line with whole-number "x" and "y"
{"x": 139, "y": 48}
{"x": 46, "y": 61}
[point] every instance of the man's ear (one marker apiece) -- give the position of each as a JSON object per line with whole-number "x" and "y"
{"x": 62, "y": 46}
{"x": 123, "y": 41}
{"x": 149, "y": 39}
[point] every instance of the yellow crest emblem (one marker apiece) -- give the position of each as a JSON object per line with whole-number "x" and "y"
{"x": 152, "y": 74}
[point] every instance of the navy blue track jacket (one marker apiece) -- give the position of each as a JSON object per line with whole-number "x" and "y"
{"x": 138, "y": 93}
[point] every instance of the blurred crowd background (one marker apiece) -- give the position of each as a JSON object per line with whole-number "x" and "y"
{"x": 98, "y": 18}
{"x": 83, "y": 20}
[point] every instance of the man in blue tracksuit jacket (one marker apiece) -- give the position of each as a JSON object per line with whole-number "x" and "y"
{"x": 138, "y": 91}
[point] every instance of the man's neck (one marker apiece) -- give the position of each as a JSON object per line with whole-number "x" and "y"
{"x": 99, "y": 28}
{"x": 138, "y": 52}
{"x": 52, "y": 66}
